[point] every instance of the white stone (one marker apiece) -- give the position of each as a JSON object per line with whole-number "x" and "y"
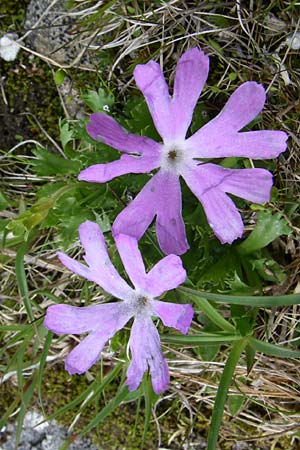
{"x": 8, "y": 48}
{"x": 293, "y": 41}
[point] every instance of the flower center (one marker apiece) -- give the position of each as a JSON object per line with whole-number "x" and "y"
{"x": 143, "y": 301}
{"x": 172, "y": 157}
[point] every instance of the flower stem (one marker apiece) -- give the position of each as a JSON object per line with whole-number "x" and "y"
{"x": 223, "y": 388}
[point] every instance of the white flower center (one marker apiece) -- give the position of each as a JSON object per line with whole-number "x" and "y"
{"x": 139, "y": 303}
{"x": 173, "y": 157}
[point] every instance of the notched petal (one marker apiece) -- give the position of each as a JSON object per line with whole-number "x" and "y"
{"x": 145, "y": 349}
{"x": 174, "y": 315}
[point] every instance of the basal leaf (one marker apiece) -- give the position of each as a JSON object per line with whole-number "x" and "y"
{"x": 99, "y": 101}
{"x": 234, "y": 403}
{"x": 66, "y": 134}
{"x": 268, "y": 227}
{"x": 3, "y": 202}
{"x": 272, "y": 349}
{"x": 49, "y": 163}
{"x": 254, "y": 301}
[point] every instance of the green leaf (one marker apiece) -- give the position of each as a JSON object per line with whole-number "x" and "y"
{"x": 42, "y": 363}
{"x": 3, "y": 202}
{"x": 99, "y": 101}
{"x": 234, "y": 403}
{"x": 250, "y": 357}
{"x": 59, "y": 76}
{"x": 22, "y": 281}
{"x": 27, "y": 221}
{"x": 211, "y": 312}
{"x": 139, "y": 118}
{"x": 9, "y": 411}
{"x": 268, "y": 270}
{"x": 222, "y": 392}
{"x": 200, "y": 339}
{"x": 207, "y": 352}
{"x": 254, "y": 301}
{"x": 24, "y": 224}
{"x": 238, "y": 287}
{"x": 227, "y": 263}
{"x": 272, "y": 349}
{"x": 7, "y": 328}
{"x": 232, "y": 76}
{"x": 108, "y": 409}
{"x": 49, "y": 163}
{"x": 103, "y": 222}
{"x": 243, "y": 319}
{"x": 66, "y": 135}
{"x": 150, "y": 398}
{"x": 269, "y": 226}
{"x": 28, "y": 391}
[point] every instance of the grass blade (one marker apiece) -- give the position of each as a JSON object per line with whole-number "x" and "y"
{"x": 149, "y": 397}
{"x": 108, "y": 409}
{"x": 42, "y": 363}
{"x": 21, "y": 279}
{"x": 93, "y": 387}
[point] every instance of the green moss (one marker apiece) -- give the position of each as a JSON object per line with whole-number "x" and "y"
{"x": 12, "y": 14}
{"x": 115, "y": 432}
{"x": 31, "y": 96}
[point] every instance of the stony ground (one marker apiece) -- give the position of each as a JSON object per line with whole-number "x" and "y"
{"x": 46, "y": 436}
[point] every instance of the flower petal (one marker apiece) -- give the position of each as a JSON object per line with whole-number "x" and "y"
{"x": 209, "y": 183}
{"x": 174, "y": 315}
{"x": 84, "y": 355}
{"x": 263, "y": 144}
{"x": 222, "y": 215}
{"x": 251, "y": 184}
{"x": 132, "y": 259}
{"x": 221, "y": 212}
{"x": 170, "y": 227}
{"x": 191, "y": 74}
{"x": 105, "y": 129}
{"x": 138, "y": 214}
{"x": 167, "y": 274}
{"x": 161, "y": 196}
{"x": 150, "y": 80}
{"x": 242, "y": 107}
{"x": 145, "y": 348}
{"x": 101, "y": 173}
{"x": 172, "y": 117}
{"x": 65, "y": 319}
{"x": 100, "y": 269}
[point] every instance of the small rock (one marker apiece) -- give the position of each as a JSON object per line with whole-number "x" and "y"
{"x": 40, "y": 436}
{"x": 8, "y": 47}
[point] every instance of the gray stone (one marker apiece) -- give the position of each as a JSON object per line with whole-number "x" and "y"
{"x": 46, "y": 436}
{"x": 52, "y": 31}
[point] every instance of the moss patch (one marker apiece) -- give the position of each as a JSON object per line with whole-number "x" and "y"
{"x": 31, "y": 96}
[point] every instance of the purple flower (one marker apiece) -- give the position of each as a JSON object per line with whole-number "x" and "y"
{"x": 103, "y": 321}
{"x": 178, "y": 156}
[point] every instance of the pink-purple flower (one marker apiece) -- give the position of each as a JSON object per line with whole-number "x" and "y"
{"x": 102, "y": 321}
{"x": 180, "y": 156}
